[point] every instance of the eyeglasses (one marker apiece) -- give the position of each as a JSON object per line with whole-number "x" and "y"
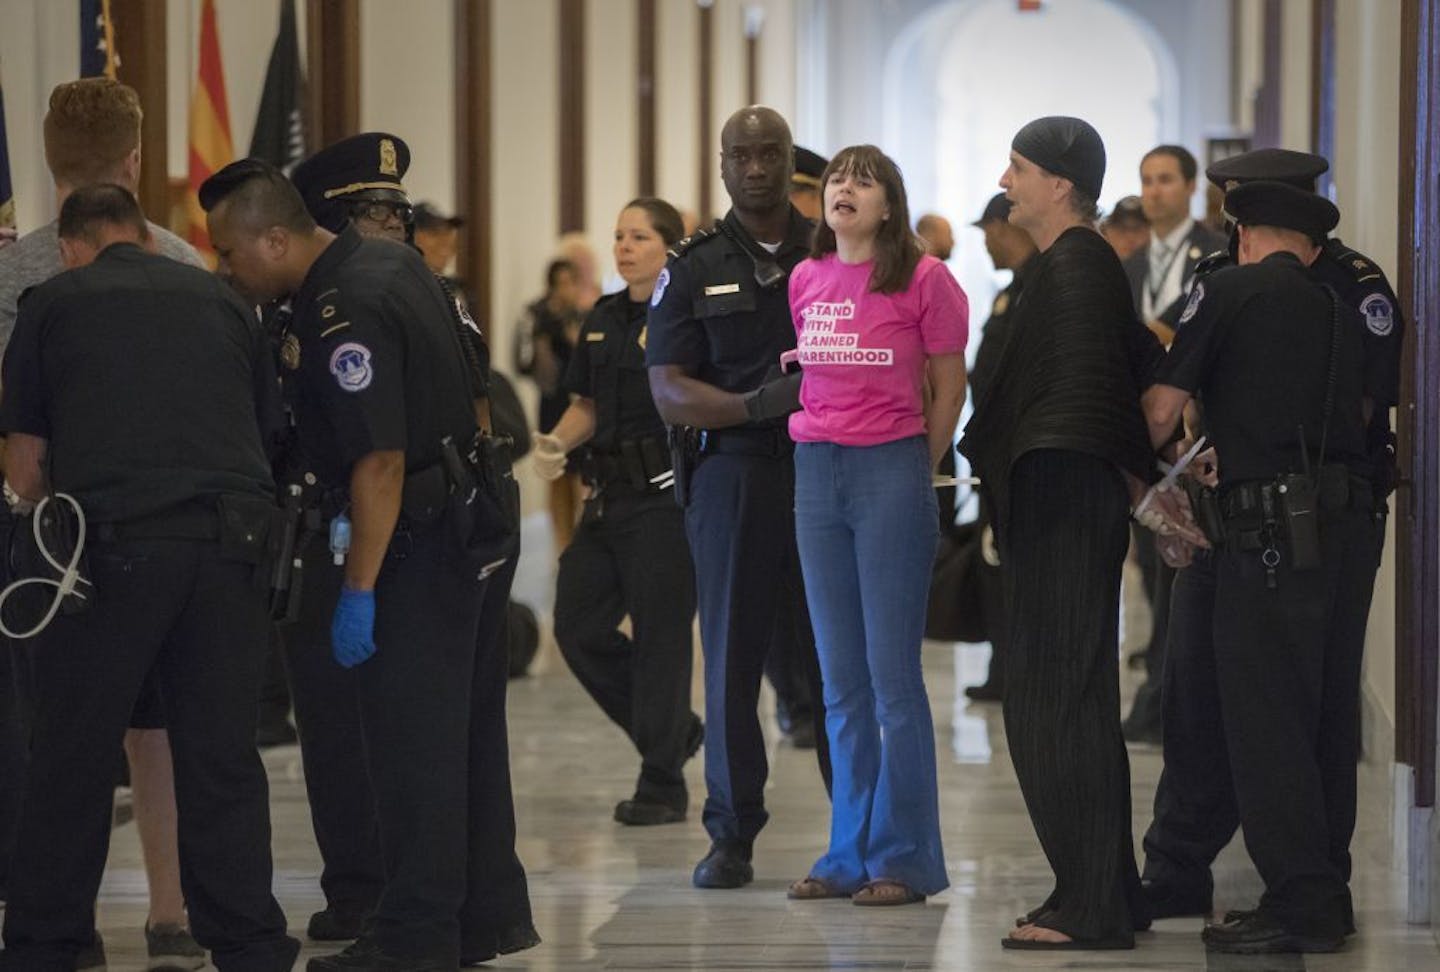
{"x": 380, "y": 211}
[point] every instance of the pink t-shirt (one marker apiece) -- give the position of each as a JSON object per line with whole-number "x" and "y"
{"x": 864, "y": 352}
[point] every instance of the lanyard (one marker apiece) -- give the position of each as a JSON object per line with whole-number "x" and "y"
{"x": 1152, "y": 293}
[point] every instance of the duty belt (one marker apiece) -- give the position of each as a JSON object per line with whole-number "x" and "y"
{"x": 1246, "y": 500}
{"x": 635, "y": 464}
{"x": 773, "y": 442}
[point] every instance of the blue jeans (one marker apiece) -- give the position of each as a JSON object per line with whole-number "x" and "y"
{"x": 867, "y": 527}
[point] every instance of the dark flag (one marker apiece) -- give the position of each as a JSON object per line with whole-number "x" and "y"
{"x": 7, "y": 191}
{"x": 280, "y": 126}
{"x": 97, "y": 40}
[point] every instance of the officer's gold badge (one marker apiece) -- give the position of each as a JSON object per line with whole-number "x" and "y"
{"x": 290, "y": 352}
{"x": 1002, "y": 303}
{"x": 389, "y": 164}
{"x": 644, "y": 330}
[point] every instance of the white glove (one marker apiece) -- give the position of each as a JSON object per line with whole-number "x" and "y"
{"x": 548, "y": 454}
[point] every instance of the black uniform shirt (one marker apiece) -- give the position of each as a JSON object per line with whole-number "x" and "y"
{"x": 993, "y": 335}
{"x": 1362, "y": 285}
{"x": 609, "y": 367}
{"x": 380, "y": 366}
{"x": 1255, "y": 346}
{"x": 150, "y": 380}
{"x": 710, "y": 315}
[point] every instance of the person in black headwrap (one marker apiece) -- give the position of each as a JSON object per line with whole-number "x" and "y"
{"x": 1061, "y": 446}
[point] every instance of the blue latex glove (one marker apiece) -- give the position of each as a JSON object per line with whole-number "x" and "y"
{"x": 352, "y": 631}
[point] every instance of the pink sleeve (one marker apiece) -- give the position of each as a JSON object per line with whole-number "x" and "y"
{"x": 944, "y": 312}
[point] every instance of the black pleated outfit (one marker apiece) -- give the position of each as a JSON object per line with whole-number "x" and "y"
{"x": 1050, "y": 437}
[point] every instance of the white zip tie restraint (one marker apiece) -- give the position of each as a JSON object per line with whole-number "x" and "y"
{"x": 69, "y": 573}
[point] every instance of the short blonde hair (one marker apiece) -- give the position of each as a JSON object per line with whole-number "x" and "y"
{"x": 91, "y": 128}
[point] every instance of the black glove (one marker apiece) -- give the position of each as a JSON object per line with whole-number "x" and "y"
{"x": 774, "y": 399}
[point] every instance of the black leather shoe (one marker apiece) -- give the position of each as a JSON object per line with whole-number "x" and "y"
{"x": 92, "y": 956}
{"x": 647, "y": 813}
{"x": 1259, "y": 934}
{"x": 366, "y": 956}
{"x": 334, "y": 925}
{"x": 802, "y": 735}
{"x": 988, "y": 692}
{"x": 516, "y": 938}
{"x": 1164, "y": 900}
{"x": 726, "y": 866}
{"x": 696, "y": 737}
{"x": 1241, "y": 914}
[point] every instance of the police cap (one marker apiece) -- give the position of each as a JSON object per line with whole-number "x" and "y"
{"x": 1269, "y": 203}
{"x": 1128, "y": 211}
{"x": 809, "y": 166}
{"x": 429, "y": 217}
{"x": 997, "y": 210}
{"x": 365, "y": 166}
{"x": 1299, "y": 169}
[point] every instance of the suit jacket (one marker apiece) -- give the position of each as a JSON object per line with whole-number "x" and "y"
{"x": 1199, "y": 243}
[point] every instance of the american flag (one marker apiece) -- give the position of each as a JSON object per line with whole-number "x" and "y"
{"x": 97, "y": 40}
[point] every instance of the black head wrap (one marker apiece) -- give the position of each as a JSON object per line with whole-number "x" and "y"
{"x": 1068, "y": 147}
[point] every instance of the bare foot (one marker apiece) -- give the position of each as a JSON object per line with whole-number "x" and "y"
{"x": 1039, "y": 933}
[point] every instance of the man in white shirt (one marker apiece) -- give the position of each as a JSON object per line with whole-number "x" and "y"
{"x": 1160, "y": 271}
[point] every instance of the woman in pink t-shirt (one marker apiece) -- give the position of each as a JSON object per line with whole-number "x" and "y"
{"x": 880, "y": 325}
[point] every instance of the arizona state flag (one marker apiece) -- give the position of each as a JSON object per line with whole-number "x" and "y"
{"x": 97, "y": 40}
{"x": 7, "y": 192}
{"x": 210, "y": 145}
{"x": 280, "y": 124}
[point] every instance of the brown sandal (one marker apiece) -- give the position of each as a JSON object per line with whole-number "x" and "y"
{"x": 813, "y": 889}
{"x": 885, "y": 892}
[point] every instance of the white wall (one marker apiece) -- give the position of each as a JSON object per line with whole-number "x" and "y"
{"x": 1365, "y": 166}
{"x": 407, "y": 88}
{"x": 1295, "y": 88}
{"x": 39, "y": 48}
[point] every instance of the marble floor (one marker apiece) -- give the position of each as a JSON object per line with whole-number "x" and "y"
{"x": 610, "y": 897}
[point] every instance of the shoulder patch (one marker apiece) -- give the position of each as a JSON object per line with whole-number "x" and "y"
{"x": 1356, "y": 264}
{"x": 350, "y": 364}
{"x": 661, "y": 282}
{"x": 1379, "y": 314}
{"x": 1197, "y": 294}
{"x": 699, "y": 236}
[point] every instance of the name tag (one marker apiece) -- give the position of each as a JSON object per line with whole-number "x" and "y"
{"x": 717, "y": 289}
{"x": 595, "y": 336}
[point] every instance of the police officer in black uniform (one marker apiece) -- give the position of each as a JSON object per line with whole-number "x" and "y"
{"x": 139, "y": 386}
{"x": 1195, "y": 814}
{"x": 385, "y": 412}
{"x": 719, "y": 321}
{"x": 357, "y": 182}
{"x": 629, "y": 555}
{"x": 1010, "y": 248}
{"x": 1276, "y": 361}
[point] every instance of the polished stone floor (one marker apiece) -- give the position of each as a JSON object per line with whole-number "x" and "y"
{"x": 608, "y": 897}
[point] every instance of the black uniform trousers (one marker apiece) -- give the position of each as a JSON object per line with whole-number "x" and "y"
{"x": 332, "y": 749}
{"x": 14, "y": 746}
{"x": 1196, "y": 810}
{"x": 496, "y": 911}
{"x": 175, "y": 605}
{"x": 415, "y": 714}
{"x": 741, "y": 525}
{"x": 1195, "y": 814}
{"x": 1064, "y": 548}
{"x": 1288, "y": 665}
{"x": 630, "y": 556}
